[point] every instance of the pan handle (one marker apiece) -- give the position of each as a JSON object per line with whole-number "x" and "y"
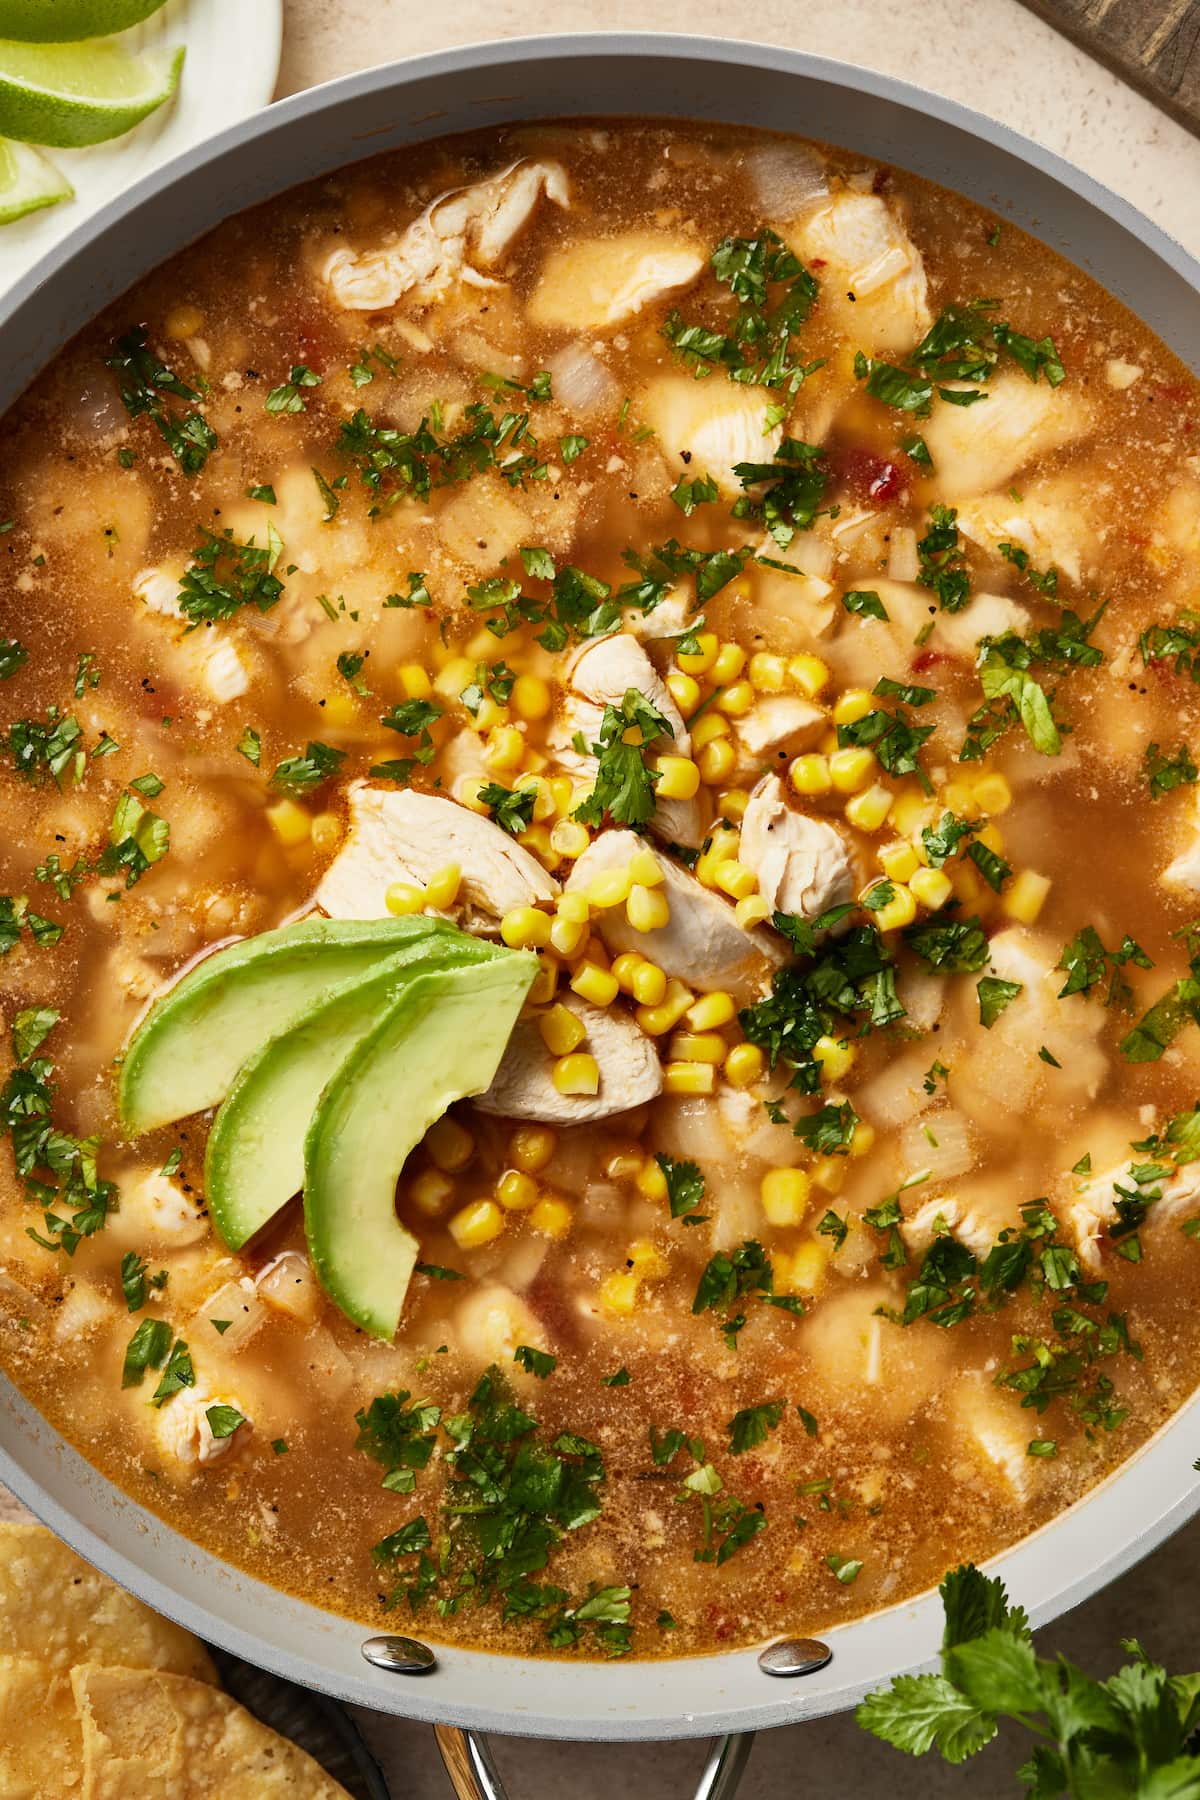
{"x": 474, "y": 1776}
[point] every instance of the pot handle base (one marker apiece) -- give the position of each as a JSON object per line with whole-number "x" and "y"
{"x": 474, "y": 1776}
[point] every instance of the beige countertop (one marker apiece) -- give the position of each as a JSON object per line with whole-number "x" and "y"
{"x": 996, "y": 57}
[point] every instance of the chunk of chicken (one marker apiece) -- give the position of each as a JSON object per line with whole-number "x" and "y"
{"x": 985, "y": 615}
{"x": 1183, "y": 871}
{"x": 996, "y": 1431}
{"x": 1052, "y": 521}
{"x": 595, "y": 284}
{"x": 456, "y": 238}
{"x": 219, "y": 666}
{"x": 630, "y": 1072}
{"x": 288, "y": 1285}
{"x": 185, "y": 1433}
{"x": 777, "y": 725}
{"x": 405, "y": 836}
{"x": 702, "y": 944}
{"x": 998, "y": 1073}
{"x": 599, "y": 675}
{"x": 939, "y": 1216}
{"x": 719, "y": 423}
{"x": 1092, "y": 1207}
{"x": 156, "y": 1214}
{"x": 804, "y": 865}
{"x": 872, "y": 278}
{"x": 976, "y": 449}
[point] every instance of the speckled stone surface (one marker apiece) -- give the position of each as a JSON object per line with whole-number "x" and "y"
{"x": 993, "y": 55}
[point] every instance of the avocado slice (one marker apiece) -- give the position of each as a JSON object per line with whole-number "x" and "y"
{"x": 254, "y": 1161}
{"x": 442, "y": 1041}
{"x": 184, "y": 1055}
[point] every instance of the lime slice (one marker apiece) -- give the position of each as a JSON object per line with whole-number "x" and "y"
{"x": 65, "y": 21}
{"x": 28, "y": 181}
{"x": 75, "y": 94}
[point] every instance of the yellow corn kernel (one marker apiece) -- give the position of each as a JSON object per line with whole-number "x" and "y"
{"x": 326, "y": 831}
{"x": 721, "y": 844}
{"x": 969, "y": 888}
{"x": 689, "y": 1078}
{"x": 504, "y": 749}
{"x": 551, "y": 1217}
{"x": 562, "y": 1030}
{"x": 809, "y": 774}
{"x": 569, "y": 838}
{"x": 716, "y": 762}
{"x": 911, "y": 811}
{"x": 290, "y": 823}
{"x": 487, "y": 714}
{"x": 403, "y": 898}
{"x": 736, "y": 700}
{"x": 862, "y": 1140}
{"x": 476, "y": 1224}
{"x": 808, "y": 673}
{"x": 623, "y": 1165}
{"x": 992, "y": 793}
{"x": 647, "y": 909}
{"x": 531, "y": 1147}
{"x": 648, "y": 1260}
{"x": 785, "y": 1195}
{"x": 767, "y": 673}
{"x": 453, "y": 677}
{"x": 449, "y": 1145}
{"x": 577, "y": 1074}
{"x": 516, "y": 1191}
{"x": 618, "y": 1292}
{"x": 752, "y": 911}
{"x": 537, "y": 840}
{"x": 441, "y": 890}
{"x": 466, "y": 792}
{"x": 735, "y": 879}
{"x": 744, "y": 1065}
{"x": 853, "y": 705}
{"x": 593, "y": 952}
{"x": 828, "y": 1173}
{"x": 623, "y": 968}
{"x": 1026, "y": 897}
{"x": 525, "y": 928}
{"x": 594, "y": 984}
{"x": 543, "y": 799}
{"x": 852, "y": 769}
{"x": 645, "y": 868}
{"x": 700, "y": 661}
{"x": 649, "y": 983}
{"x": 650, "y": 1180}
{"x": 897, "y": 860}
{"x": 414, "y": 681}
{"x": 698, "y": 1046}
{"x": 183, "y": 321}
{"x": 868, "y": 811}
{"x": 562, "y": 790}
{"x": 341, "y": 708}
{"x": 835, "y": 1056}
{"x": 711, "y": 1011}
{"x": 611, "y": 888}
{"x": 806, "y": 1266}
{"x": 684, "y": 690}
{"x": 662, "y": 1017}
{"x": 932, "y": 887}
{"x": 573, "y": 906}
{"x": 900, "y": 910}
{"x": 431, "y": 1192}
{"x": 730, "y": 661}
{"x": 960, "y": 799}
{"x": 530, "y": 697}
{"x": 710, "y": 726}
{"x": 732, "y": 803}
{"x": 828, "y": 743}
{"x": 679, "y": 778}
{"x": 544, "y": 985}
{"x": 567, "y": 936}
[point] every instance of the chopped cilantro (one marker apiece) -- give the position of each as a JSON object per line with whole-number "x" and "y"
{"x": 752, "y": 1425}
{"x": 685, "y": 1185}
{"x": 223, "y": 576}
{"x": 510, "y": 808}
{"x": 249, "y": 745}
{"x": 1165, "y": 772}
{"x": 624, "y": 787}
{"x": 994, "y": 996}
{"x": 289, "y": 396}
{"x": 143, "y": 382}
{"x": 223, "y": 1420}
{"x": 536, "y": 1362}
{"x": 866, "y": 603}
{"x": 302, "y": 773}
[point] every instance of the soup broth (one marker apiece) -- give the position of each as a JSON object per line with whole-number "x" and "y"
{"x": 757, "y": 583}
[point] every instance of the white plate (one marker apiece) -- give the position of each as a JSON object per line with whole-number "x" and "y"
{"x": 230, "y": 70}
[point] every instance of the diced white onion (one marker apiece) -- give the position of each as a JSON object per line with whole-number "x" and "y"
{"x": 238, "y": 1302}
{"x": 902, "y": 554}
{"x": 580, "y": 381}
{"x": 787, "y": 180}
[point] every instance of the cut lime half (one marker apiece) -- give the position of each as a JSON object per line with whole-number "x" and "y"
{"x": 28, "y": 181}
{"x": 66, "y": 21}
{"x": 70, "y": 95}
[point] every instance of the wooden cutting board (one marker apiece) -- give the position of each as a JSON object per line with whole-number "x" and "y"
{"x": 1155, "y": 44}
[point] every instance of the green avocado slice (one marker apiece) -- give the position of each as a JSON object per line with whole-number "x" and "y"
{"x": 254, "y": 1161}
{"x": 184, "y": 1055}
{"x": 442, "y": 1041}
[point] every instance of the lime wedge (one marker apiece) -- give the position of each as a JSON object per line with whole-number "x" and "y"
{"x": 28, "y": 181}
{"x": 75, "y": 94}
{"x": 66, "y": 21}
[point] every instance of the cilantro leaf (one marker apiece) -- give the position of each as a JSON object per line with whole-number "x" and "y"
{"x": 685, "y": 1185}
{"x": 624, "y": 787}
{"x": 752, "y": 1425}
{"x": 300, "y": 774}
{"x": 510, "y": 808}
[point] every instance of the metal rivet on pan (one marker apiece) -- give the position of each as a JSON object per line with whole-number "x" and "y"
{"x": 795, "y": 1656}
{"x": 399, "y": 1655}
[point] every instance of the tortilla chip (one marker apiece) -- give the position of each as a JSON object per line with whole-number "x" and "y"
{"x": 41, "y": 1747}
{"x": 55, "y": 1606}
{"x": 164, "y": 1737}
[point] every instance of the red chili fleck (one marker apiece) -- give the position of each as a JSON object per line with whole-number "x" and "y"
{"x": 925, "y": 660}
{"x": 868, "y": 476}
{"x": 817, "y": 262}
